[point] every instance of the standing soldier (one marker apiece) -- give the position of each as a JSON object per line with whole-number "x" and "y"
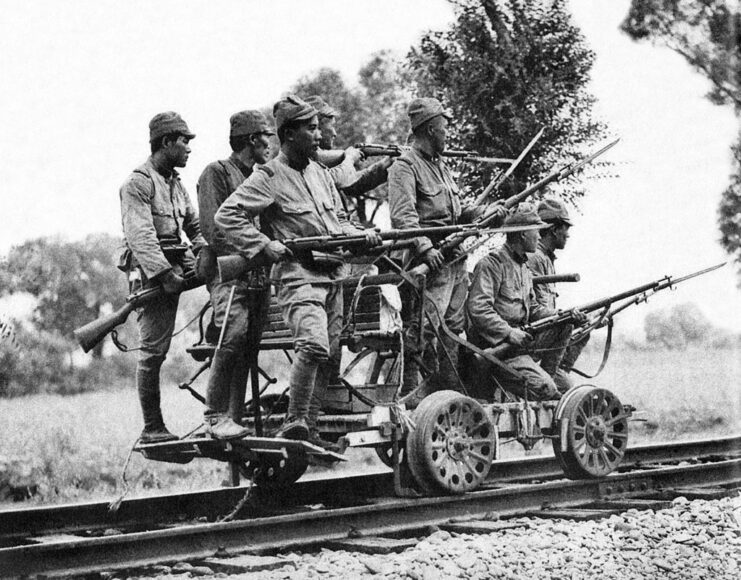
{"x": 540, "y": 262}
{"x": 242, "y": 326}
{"x": 295, "y": 197}
{"x": 423, "y": 193}
{"x": 350, "y": 182}
{"x": 501, "y": 300}
{"x": 156, "y": 212}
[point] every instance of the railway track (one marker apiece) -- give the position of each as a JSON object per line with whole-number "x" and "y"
{"x": 78, "y": 539}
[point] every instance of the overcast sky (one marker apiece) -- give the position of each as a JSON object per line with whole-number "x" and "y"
{"x": 82, "y": 79}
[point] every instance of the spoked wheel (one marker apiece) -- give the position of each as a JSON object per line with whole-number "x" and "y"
{"x": 453, "y": 444}
{"x": 275, "y": 471}
{"x": 595, "y": 427}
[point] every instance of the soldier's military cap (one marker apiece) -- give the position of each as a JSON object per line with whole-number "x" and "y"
{"x": 167, "y": 123}
{"x": 525, "y": 217}
{"x": 292, "y": 108}
{"x": 325, "y": 110}
{"x": 552, "y": 210}
{"x": 423, "y": 109}
{"x": 248, "y": 123}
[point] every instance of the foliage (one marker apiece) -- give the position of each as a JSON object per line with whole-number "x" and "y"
{"x": 374, "y": 109}
{"x": 677, "y": 327}
{"x": 72, "y": 281}
{"x": 506, "y": 68}
{"x": 707, "y": 33}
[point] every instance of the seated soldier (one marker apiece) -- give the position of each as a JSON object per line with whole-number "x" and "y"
{"x": 501, "y": 300}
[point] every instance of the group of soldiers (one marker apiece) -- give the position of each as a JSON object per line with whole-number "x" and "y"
{"x": 252, "y": 201}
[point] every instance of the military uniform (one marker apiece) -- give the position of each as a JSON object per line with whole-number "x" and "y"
{"x": 292, "y": 204}
{"x": 251, "y": 299}
{"x": 423, "y": 193}
{"x": 156, "y": 212}
{"x": 541, "y": 263}
{"x": 500, "y": 299}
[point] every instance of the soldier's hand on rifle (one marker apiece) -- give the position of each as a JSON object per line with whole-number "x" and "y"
{"x": 171, "y": 283}
{"x": 276, "y": 251}
{"x": 433, "y": 258}
{"x": 354, "y": 155}
{"x": 579, "y": 317}
{"x": 499, "y": 213}
{"x": 372, "y": 237}
{"x": 519, "y": 337}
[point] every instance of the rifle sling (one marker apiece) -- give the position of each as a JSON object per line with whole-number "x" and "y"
{"x": 605, "y": 354}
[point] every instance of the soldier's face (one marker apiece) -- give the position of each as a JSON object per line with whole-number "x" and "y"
{"x": 327, "y": 126}
{"x": 561, "y": 235}
{"x": 261, "y": 148}
{"x": 438, "y": 133}
{"x": 530, "y": 240}
{"x": 306, "y": 138}
{"x": 178, "y": 150}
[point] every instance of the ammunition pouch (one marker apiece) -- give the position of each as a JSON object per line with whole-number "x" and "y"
{"x": 322, "y": 262}
{"x": 206, "y": 268}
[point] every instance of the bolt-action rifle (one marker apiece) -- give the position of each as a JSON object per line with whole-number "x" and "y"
{"x": 89, "y": 335}
{"x": 631, "y": 297}
{"x": 492, "y": 217}
{"x": 376, "y": 150}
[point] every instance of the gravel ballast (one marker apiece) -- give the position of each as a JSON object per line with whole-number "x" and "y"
{"x": 692, "y": 539}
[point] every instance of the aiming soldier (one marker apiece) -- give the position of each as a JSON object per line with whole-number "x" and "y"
{"x": 156, "y": 213}
{"x": 350, "y": 182}
{"x": 501, "y": 299}
{"x": 423, "y": 193}
{"x": 296, "y": 198}
{"x": 248, "y": 304}
{"x": 541, "y": 263}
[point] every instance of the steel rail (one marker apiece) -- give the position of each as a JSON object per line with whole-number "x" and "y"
{"x": 140, "y": 512}
{"x": 289, "y": 531}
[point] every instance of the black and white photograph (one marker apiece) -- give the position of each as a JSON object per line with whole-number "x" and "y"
{"x": 374, "y": 289}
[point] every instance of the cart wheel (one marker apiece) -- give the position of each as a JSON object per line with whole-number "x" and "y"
{"x": 274, "y": 471}
{"x": 596, "y": 432}
{"x": 453, "y": 444}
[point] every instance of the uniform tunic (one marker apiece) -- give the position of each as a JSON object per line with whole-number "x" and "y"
{"x": 250, "y": 303}
{"x": 540, "y": 263}
{"x": 293, "y": 204}
{"x": 156, "y": 211}
{"x": 501, "y": 298}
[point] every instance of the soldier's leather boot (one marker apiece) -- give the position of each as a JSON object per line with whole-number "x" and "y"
{"x": 148, "y": 388}
{"x": 220, "y": 426}
{"x": 294, "y": 428}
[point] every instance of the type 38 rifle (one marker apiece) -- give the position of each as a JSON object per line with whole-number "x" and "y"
{"x": 376, "y": 150}
{"x": 89, "y": 335}
{"x": 605, "y": 305}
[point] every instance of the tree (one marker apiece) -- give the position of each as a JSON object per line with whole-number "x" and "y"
{"x": 677, "y": 327}
{"x": 707, "y": 33}
{"x": 72, "y": 281}
{"x": 506, "y": 68}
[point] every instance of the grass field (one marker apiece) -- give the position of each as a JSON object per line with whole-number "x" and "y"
{"x": 73, "y": 448}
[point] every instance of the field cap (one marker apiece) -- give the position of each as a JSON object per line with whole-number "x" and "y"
{"x": 525, "y": 217}
{"x": 424, "y": 109}
{"x": 167, "y": 123}
{"x": 248, "y": 123}
{"x": 552, "y": 210}
{"x": 292, "y": 108}
{"x": 322, "y": 106}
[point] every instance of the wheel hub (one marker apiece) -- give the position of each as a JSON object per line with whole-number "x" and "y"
{"x": 457, "y": 445}
{"x": 596, "y": 430}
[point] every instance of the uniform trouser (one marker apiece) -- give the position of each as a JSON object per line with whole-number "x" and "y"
{"x": 445, "y": 293}
{"x": 572, "y": 353}
{"x": 545, "y": 380}
{"x": 313, "y": 312}
{"x": 241, "y": 337}
{"x": 156, "y": 323}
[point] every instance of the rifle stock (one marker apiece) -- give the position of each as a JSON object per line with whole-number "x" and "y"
{"x": 89, "y": 335}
